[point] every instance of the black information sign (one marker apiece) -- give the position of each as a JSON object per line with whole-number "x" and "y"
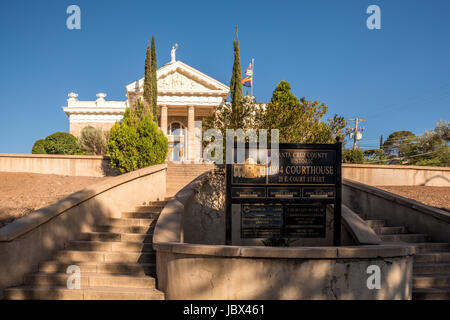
{"x": 261, "y": 221}
{"x": 288, "y": 200}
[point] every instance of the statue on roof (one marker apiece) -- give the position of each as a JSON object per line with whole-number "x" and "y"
{"x": 172, "y": 52}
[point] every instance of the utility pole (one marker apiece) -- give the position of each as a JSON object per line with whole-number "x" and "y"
{"x": 356, "y": 131}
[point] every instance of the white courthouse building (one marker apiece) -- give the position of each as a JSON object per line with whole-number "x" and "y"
{"x": 185, "y": 97}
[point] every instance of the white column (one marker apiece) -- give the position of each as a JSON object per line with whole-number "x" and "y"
{"x": 191, "y": 133}
{"x": 164, "y": 119}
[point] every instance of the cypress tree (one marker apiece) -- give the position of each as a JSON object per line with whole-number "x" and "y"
{"x": 381, "y": 142}
{"x": 236, "y": 86}
{"x": 148, "y": 88}
{"x": 154, "y": 83}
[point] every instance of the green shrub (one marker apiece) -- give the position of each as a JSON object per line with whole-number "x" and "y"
{"x": 39, "y": 147}
{"x": 135, "y": 144}
{"x": 61, "y": 143}
{"x": 152, "y": 143}
{"x": 94, "y": 140}
{"x": 352, "y": 156}
{"x": 122, "y": 147}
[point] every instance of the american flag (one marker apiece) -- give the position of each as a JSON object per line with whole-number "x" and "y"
{"x": 249, "y": 71}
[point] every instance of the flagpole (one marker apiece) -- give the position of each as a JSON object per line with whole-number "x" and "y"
{"x": 253, "y": 74}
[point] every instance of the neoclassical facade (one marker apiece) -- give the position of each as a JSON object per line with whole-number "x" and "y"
{"x": 185, "y": 97}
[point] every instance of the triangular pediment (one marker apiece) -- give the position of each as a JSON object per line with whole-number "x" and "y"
{"x": 179, "y": 77}
{"x": 178, "y": 80}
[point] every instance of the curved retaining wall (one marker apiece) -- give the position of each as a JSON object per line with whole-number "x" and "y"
{"x": 29, "y": 240}
{"x": 90, "y": 166}
{"x": 232, "y": 272}
{"x": 205, "y": 271}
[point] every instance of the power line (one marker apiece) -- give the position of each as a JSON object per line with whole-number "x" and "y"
{"x": 356, "y": 131}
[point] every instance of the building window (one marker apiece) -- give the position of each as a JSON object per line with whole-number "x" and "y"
{"x": 176, "y": 129}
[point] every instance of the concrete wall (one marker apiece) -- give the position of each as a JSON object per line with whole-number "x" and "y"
{"x": 99, "y": 166}
{"x": 231, "y": 272}
{"x": 390, "y": 175}
{"x": 32, "y": 239}
{"x": 212, "y": 270}
{"x": 373, "y": 203}
{"x": 91, "y": 166}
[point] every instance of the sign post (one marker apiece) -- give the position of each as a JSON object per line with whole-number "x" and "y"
{"x": 289, "y": 201}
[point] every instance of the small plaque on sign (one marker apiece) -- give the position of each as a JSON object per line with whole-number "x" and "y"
{"x": 249, "y": 192}
{"x": 284, "y": 193}
{"x": 261, "y": 221}
{"x": 319, "y": 193}
{"x": 305, "y": 221}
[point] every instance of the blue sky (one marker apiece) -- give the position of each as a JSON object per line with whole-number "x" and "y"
{"x": 397, "y": 78}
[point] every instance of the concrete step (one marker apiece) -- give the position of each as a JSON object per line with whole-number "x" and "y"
{"x": 141, "y": 215}
{"x": 376, "y": 223}
{"x": 390, "y": 230}
{"x": 150, "y": 209}
{"x": 182, "y": 177}
{"x": 410, "y": 237}
{"x": 121, "y": 229}
{"x": 432, "y": 257}
{"x": 112, "y": 236}
{"x": 431, "y": 281}
{"x": 100, "y": 267}
{"x": 129, "y": 222}
{"x": 177, "y": 185}
{"x": 432, "y": 247}
{"x": 97, "y": 293}
{"x": 90, "y": 280}
{"x": 431, "y": 294}
{"x": 109, "y": 246}
{"x": 152, "y": 204}
{"x": 431, "y": 268}
{"x": 187, "y": 168}
{"x": 103, "y": 256}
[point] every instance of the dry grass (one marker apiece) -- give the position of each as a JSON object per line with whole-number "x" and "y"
{"x": 22, "y": 193}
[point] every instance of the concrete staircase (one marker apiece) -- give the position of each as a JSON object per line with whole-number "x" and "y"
{"x": 116, "y": 261}
{"x": 179, "y": 175}
{"x": 431, "y": 270}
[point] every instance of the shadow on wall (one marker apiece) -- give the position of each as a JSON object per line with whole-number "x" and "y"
{"x": 107, "y": 170}
{"x": 34, "y": 238}
{"x": 439, "y": 177}
{"x": 296, "y": 279}
{"x": 219, "y": 276}
{"x": 21, "y": 256}
{"x": 206, "y": 212}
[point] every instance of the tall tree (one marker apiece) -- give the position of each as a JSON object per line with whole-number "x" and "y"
{"x": 154, "y": 83}
{"x": 148, "y": 87}
{"x": 300, "y": 121}
{"x": 236, "y": 93}
{"x": 396, "y": 145}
